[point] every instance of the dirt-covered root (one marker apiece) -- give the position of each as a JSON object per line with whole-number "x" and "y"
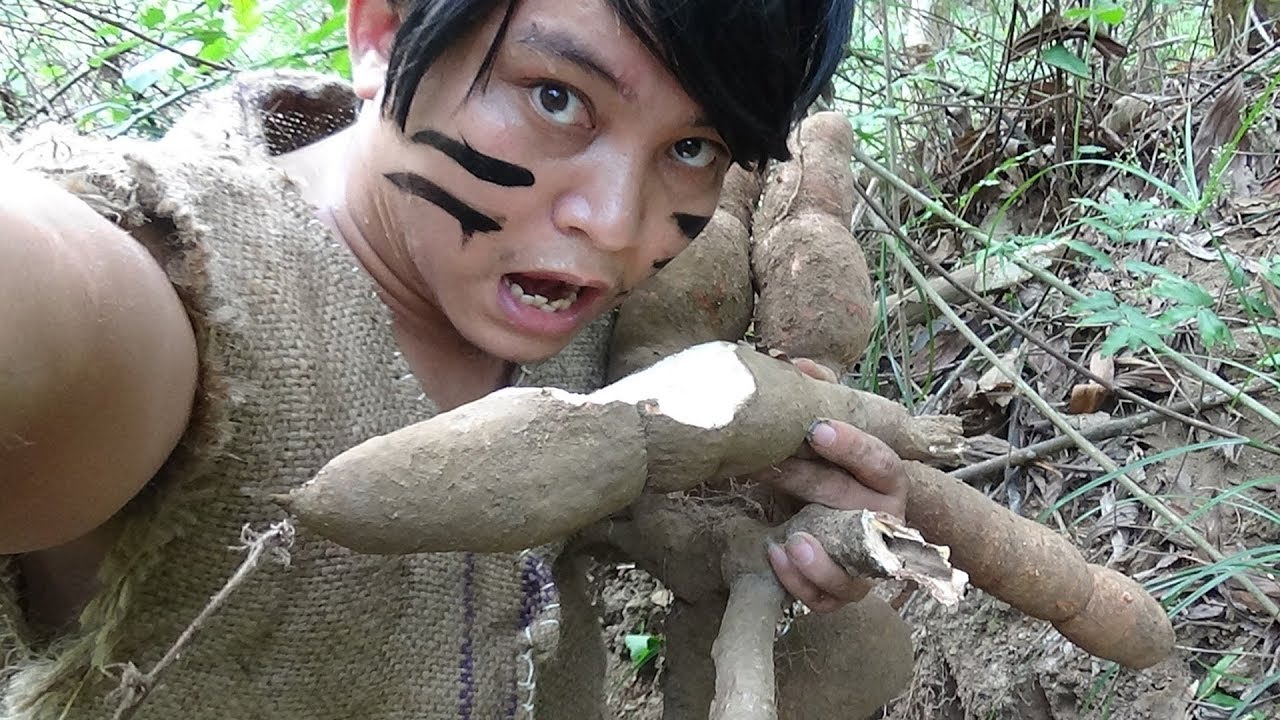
{"x": 743, "y": 650}
{"x": 818, "y": 179}
{"x": 845, "y": 664}
{"x": 703, "y": 294}
{"x": 526, "y": 466}
{"x": 699, "y": 547}
{"x": 741, "y": 194}
{"x": 1038, "y": 571}
{"x": 810, "y": 273}
{"x": 986, "y": 660}
{"x": 458, "y": 481}
{"x": 1122, "y": 622}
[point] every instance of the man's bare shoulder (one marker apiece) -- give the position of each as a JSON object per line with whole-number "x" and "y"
{"x": 97, "y": 364}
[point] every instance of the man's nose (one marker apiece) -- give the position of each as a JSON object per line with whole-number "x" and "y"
{"x": 604, "y": 201}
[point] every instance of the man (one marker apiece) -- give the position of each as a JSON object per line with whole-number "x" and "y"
{"x": 196, "y": 324}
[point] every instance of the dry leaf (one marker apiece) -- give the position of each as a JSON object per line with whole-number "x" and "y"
{"x": 1219, "y": 126}
{"x": 1088, "y": 397}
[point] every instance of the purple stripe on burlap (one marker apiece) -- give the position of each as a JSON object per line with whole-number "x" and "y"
{"x": 466, "y": 668}
{"x": 538, "y": 590}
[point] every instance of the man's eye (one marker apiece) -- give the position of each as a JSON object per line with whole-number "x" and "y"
{"x": 559, "y": 104}
{"x": 695, "y": 152}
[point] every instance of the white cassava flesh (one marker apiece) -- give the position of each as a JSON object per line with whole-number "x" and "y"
{"x": 704, "y": 386}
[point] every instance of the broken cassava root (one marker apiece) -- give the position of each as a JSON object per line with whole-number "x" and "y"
{"x": 525, "y": 466}
{"x": 1039, "y": 571}
{"x": 864, "y": 543}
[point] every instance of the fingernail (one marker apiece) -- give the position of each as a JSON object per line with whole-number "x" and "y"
{"x": 776, "y": 553}
{"x": 822, "y": 434}
{"x": 800, "y": 550}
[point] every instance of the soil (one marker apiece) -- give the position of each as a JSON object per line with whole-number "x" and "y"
{"x": 630, "y": 601}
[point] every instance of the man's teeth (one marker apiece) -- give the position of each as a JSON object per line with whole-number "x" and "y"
{"x": 541, "y": 302}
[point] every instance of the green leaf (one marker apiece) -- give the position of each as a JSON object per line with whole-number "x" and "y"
{"x": 246, "y": 15}
{"x": 341, "y": 63}
{"x": 1139, "y": 267}
{"x": 1100, "y": 259}
{"x": 1235, "y": 272}
{"x": 151, "y": 17}
{"x": 642, "y": 647}
{"x": 1213, "y": 331}
{"x": 1176, "y": 315}
{"x": 1134, "y": 235}
{"x": 1105, "y": 14}
{"x": 1110, "y": 16}
{"x": 1264, "y": 330}
{"x": 1183, "y": 291}
{"x": 218, "y": 50}
{"x": 334, "y": 26}
{"x": 1060, "y": 57}
{"x": 1093, "y": 303}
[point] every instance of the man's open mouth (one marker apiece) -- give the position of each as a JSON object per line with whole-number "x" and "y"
{"x": 547, "y": 294}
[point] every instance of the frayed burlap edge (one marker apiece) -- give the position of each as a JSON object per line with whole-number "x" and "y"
{"x": 115, "y": 180}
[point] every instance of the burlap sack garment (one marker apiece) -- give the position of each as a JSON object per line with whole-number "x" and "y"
{"x": 297, "y": 364}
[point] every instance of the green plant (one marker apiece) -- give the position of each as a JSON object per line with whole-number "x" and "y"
{"x": 643, "y": 648}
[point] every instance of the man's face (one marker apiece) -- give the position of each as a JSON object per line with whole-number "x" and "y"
{"x": 530, "y": 207}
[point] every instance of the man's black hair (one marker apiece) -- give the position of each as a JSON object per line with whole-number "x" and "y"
{"x": 754, "y": 66}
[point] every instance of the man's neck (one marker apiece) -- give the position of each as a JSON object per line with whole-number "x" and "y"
{"x": 450, "y": 369}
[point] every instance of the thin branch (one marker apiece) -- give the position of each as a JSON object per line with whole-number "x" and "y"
{"x": 162, "y": 104}
{"x": 123, "y": 27}
{"x": 48, "y": 102}
{"x": 1102, "y": 431}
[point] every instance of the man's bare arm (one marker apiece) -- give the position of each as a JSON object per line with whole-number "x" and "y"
{"x": 97, "y": 365}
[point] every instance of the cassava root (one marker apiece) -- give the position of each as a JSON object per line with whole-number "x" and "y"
{"x": 525, "y": 466}
{"x": 815, "y": 291}
{"x": 669, "y": 534}
{"x": 1038, "y": 571}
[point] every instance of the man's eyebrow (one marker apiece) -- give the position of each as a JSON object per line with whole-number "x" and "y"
{"x": 568, "y": 48}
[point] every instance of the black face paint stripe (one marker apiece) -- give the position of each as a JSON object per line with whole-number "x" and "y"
{"x": 471, "y": 220}
{"x": 485, "y": 167}
{"x": 659, "y": 264}
{"x": 691, "y": 225}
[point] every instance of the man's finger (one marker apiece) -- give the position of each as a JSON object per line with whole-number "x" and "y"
{"x": 818, "y": 481}
{"x": 806, "y": 553}
{"x": 865, "y": 457}
{"x": 815, "y": 370}
{"x": 800, "y": 587}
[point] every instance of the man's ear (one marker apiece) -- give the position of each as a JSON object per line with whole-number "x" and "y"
{"x": 371, "y": 29}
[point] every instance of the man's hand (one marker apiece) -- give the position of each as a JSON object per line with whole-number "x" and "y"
{"x": 856, "y": 471}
